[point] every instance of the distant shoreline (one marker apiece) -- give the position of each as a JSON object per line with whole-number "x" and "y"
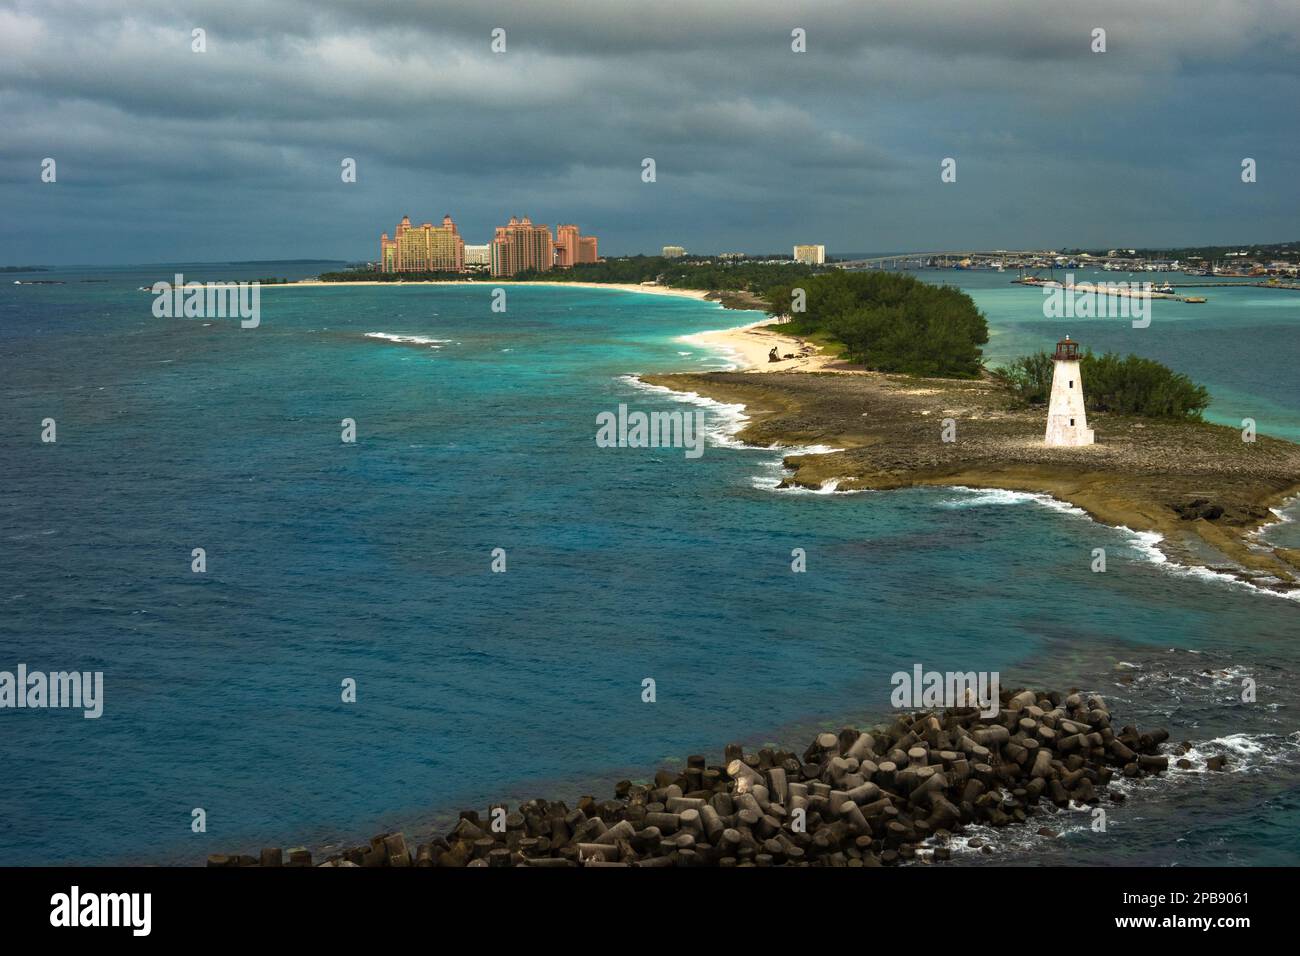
{"x": 727, "y": 298}
{"x": 476, "y": 283}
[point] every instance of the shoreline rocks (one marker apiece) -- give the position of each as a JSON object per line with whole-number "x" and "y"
{"x": 852, "y": 798}
{"x": 1190, "y": 482}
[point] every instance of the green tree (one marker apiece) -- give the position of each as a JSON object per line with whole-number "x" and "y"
{"x": 1126, "y": 385}
{"x": 888, "y": 321}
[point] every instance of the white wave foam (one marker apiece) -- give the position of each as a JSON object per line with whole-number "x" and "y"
{"x": 1288, "y": 512}
{"x": 1020, "y": 837}
{"x": 1245, "y": 753}
{"x": 727, "y": 418}
{"x": 773, "y": 482}
{"x": 978, "y": 497}
{"x": 1229, "y": 676}
{"x": 830, "y": 486}
{"x": 732, "y": 359}
{"x": 1199, "y": 573}
{"x": 795, "y": 450}
{"x": 1283, "y": 517}
{"x": 408, "y": 339}
{"x": 1145, "y": 543}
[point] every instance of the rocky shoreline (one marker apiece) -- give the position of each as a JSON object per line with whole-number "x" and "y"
{"x": 1203, "y": 489}
{"x": 884, "y": 796}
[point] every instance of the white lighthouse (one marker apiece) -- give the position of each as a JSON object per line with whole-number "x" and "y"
{"x": 1067, "y": 422}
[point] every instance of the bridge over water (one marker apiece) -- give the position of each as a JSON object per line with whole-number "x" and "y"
{"x": 1010, "y": 258}
{"x": 917, "y": 260}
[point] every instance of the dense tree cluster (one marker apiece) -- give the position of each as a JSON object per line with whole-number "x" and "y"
{"x": 888, "y": 321}
{"x": 1126, "y": 385}
{"x": 712, "y": 275}
{"x": 708, "y": 274}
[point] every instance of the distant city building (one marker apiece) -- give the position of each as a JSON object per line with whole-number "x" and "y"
{"x": 566, "y": 245}
{"x": 423, "y": 248}
{"x": 810, "y": 255}
{"x": 571, "y": 248}
{"x": 516, "y": 247}
{"x": 520, "y": 246}
{"x": 674, "y": 252}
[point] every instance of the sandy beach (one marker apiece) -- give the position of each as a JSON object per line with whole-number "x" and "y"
{"x": 493, "y": 283}
{"x": 749, "y": 346}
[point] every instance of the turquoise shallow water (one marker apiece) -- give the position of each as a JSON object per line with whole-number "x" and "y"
{"x": 372, "y": 561}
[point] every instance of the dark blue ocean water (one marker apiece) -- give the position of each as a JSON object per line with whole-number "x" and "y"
{"x": 371, "y": 561}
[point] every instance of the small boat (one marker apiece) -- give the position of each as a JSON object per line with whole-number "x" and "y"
{"x": 1194, "y": 298}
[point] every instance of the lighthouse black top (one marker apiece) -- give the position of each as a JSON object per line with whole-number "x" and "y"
{"x": 1066, "y": 351}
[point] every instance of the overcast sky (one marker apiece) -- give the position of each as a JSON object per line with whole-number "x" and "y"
{"x": 165, "y": 154}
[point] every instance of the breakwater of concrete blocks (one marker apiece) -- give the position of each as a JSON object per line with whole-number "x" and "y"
{"x": 852, "y": 798}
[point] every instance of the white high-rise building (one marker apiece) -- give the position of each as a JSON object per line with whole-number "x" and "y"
{"x": 674, "y": 252}
{"x": 1067, "y": 422}
{"x": 810, "y": 255}
{"x": 478, "y": 255}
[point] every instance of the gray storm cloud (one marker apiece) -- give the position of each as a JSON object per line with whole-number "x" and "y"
{"x": 235, "y": 152}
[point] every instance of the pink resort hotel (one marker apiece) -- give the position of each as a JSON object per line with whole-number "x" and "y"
{"x": 518, "y": 246}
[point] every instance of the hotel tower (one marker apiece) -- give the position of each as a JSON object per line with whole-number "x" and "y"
{"x": 424, "y": 248}
{"x": 571, "y": 248}
{"x": 520, "y": 246}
